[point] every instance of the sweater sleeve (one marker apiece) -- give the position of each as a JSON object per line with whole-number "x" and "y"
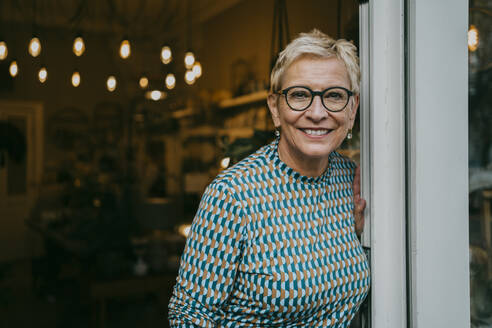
{"x": 210, "y": 260}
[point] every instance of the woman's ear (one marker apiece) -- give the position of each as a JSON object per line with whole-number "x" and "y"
{"x": 272, "y": 101}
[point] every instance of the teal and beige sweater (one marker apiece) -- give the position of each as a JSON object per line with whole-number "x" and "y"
{"x": 271, "y": 248}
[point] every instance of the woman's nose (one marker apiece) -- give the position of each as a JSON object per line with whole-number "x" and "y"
{"x": 317, "y": 110}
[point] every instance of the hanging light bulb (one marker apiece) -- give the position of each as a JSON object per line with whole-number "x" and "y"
{"x": 189, "y": 59}
{"x": 3, "y": 50}
{"x": 13, "y": 69}
{"x": 143, "y": 82}
{"x": 197, "y": 69}
{"x": 170, "y": 81}
{"x": 78, "y": 46}
{"x": 472, "y": 38}
{"x": 43, "y": 75}
{"x": 184, "y": 230}
{"x": 224, "y": 163}
{"x": 166, "y": 55}
{"x": 34, "y": 47}
{"x": 189, "y": 77}
{"x": 155, "y": 95}
{"x": 111, "y": 83}
{"x": 125, "y": 49}
{"x": 76, "y": 79}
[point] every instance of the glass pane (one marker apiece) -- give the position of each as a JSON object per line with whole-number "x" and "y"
{"x": 17, "y": 156}
{"x": 480, "y": 162}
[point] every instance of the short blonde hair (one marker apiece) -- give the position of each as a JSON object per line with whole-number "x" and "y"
{"x": 318, "y": 44}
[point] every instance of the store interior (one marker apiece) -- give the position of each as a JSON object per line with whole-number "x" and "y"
{"x": 108, "y": 139}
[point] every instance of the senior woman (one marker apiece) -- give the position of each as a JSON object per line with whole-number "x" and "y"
{"x": 274, "y": 243}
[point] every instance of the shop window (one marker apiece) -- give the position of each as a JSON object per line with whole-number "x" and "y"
{"x": 480, "y": 162}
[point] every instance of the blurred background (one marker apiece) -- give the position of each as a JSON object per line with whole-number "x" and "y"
{"x": 114, "y": 116}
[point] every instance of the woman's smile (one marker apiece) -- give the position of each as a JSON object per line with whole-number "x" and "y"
{"x": 315, "y": 132}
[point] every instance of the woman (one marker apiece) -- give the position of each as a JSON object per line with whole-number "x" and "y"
{"x": 273, "y": 242}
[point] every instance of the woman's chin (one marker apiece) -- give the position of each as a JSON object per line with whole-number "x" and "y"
{"x": 317, "y": 152}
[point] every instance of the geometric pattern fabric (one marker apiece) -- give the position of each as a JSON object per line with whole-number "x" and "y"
{"x": 269, "y": 247}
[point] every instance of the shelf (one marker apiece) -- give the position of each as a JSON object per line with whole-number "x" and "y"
{"x": 237, "y": 132}
{"x": 184, "y": 112}
{"x": 201, "y": 131}
{"x": 209, "y": 131}
{"x": 244, "y": 100}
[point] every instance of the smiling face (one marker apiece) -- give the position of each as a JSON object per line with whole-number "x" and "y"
{"x": 309, "y": 136}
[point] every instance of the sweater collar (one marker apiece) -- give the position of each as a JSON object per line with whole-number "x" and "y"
{"x": 285, "y": 169}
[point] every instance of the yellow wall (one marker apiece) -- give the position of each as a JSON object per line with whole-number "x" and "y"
{"x": 245, "y": 32}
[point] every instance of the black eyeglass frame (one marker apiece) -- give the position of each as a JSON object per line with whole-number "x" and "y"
{"x": 313, "y": 94}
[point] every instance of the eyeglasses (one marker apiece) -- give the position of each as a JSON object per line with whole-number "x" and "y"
{"x": 299, "y": 98}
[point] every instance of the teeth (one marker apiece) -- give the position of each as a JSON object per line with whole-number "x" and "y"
{"x": 315, "y": 132}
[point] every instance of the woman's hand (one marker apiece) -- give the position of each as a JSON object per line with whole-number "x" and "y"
{"x": 359, "y": 204}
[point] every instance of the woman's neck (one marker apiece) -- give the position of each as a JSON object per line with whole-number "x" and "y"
{"x": 308, "y": 166}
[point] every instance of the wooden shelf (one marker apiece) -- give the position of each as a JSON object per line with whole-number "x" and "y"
{"x": 184, "y": 112}
{"x": 209, "y": 131}
{"x": 237, "y": 132}
{"x": 244, "y": 100}
{"x": 201, "y": 131}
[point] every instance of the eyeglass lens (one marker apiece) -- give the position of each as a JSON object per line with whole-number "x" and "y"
{"x": 334, "y": 99}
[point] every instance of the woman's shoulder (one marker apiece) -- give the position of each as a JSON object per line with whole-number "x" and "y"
{"x": 343, "y": 161}
{"x": 343, "y": 165}
{"x": 246, "y": 171}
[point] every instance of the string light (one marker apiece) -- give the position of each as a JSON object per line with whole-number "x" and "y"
{"x": 43, "y": 75}
{"x": 34, "y": 47}
{"x": 170, "y": 81}
{"x": 13, "y": 69}
{"x": 143, "y": 82}
{"x": 3, "y": 50}
{"x": 184, "y": 230}
{"x": 155, "y": 95}
{"x": 76, "y": 79}
{"x": 189, "y": 77}
{"x": 224, "y": 163}
{"x": 78, "y": 46}
{"x": 189, "y": 59}
{"x": 125, "y": 49}
{"x": 166, "y": 55}
{"x": 472, "y": 38}
{"x": 111, "y": 83}
{"x": 197, "y": 69}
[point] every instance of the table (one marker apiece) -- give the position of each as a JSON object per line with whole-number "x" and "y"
{"x": 102, "y": 291}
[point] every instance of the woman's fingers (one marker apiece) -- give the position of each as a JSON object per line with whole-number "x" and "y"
{"x": 359, "y": 204}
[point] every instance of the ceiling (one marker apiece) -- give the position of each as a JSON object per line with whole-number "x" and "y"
{"x": 136, "y": 19}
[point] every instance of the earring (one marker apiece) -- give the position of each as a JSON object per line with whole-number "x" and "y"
{"x": 349, "y": 134}
{"x": 277, "y": 133}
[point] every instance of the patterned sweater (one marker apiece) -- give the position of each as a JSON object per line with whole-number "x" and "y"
{"x": 271, "y": 248}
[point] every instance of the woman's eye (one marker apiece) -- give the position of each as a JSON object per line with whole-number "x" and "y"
{"x": 299, "y": 95}
{"x": 334, "y": 95}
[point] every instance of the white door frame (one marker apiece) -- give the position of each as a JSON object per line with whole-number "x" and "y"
{"x": 438, "y": 163}
{"x": 383, "y": 157}
{"x": 414, "y": 160}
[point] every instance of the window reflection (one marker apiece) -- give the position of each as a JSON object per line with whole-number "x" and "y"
{"x": 480, "y": 162}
